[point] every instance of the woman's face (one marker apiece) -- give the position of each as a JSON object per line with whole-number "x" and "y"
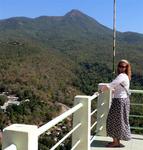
{"x": 122, "y": 67}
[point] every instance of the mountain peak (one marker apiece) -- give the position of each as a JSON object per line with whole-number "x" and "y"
{"x": 74, "y": 12}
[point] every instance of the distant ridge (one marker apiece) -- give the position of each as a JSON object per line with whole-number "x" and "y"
{"x": 71, "y": 32}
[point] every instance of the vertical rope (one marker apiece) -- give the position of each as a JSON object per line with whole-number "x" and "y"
{"x": 114, "y": 36}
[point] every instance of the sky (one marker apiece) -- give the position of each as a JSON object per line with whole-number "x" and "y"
{"x": 129, "y": 12}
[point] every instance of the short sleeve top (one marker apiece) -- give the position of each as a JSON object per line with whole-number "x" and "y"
{"x": 119, "y": 91}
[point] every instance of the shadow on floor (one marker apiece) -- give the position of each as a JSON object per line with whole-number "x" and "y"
{"x": 97, "y": 143}
{"x": 136, "y": 138}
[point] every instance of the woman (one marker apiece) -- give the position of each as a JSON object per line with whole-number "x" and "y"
{"x": 118, "y": 118}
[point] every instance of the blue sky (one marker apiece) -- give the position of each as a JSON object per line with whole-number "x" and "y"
{"x": 129, "y": 12}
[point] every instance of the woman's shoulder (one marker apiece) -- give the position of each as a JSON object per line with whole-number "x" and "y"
{"x": 123, "y": 75}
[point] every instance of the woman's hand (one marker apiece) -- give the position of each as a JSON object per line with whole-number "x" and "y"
{"x": 103, "y": 89}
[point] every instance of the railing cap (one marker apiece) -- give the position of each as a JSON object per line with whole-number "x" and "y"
{"x": 82, "y": 96}
{"x": 21, "y": 127}
{"x": 103, "y": 83}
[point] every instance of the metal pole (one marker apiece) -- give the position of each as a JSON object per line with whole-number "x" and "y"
{"x": 114, "y": 36}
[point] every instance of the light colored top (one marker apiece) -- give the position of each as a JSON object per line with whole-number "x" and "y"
{"x": 118, "y": 90}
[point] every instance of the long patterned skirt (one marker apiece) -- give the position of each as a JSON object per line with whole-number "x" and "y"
{"x": 118, "y": 119}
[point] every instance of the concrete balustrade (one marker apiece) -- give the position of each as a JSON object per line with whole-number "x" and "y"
{"x": 82, "y": 116}
{"x": 11, "y": 147}
{"x": 25, "y": 137}
{"x": 103, "y": 105}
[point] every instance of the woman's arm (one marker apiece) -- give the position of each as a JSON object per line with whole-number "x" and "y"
{"x": 119, "y": 79}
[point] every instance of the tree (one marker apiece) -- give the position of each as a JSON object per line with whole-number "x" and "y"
{"x": 3, "y": 99}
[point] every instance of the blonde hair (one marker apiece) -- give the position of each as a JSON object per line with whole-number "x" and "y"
{"x": 128, "y": 68}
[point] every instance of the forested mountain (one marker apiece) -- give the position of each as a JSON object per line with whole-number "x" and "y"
{"x": 53, "y": 58}
{"x": 76, "y": 34}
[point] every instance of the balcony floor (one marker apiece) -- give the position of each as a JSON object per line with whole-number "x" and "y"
{"x": 136, "y": 143}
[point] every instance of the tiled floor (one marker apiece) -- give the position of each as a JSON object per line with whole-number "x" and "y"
{"x": 136, "y": 143}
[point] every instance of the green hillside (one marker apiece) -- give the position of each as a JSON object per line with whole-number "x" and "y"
{"x": 51, "y": 59}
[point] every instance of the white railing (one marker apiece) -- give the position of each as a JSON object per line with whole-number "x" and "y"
{"x": 85, "y": 114}
{"x": 137, "y": 91}
{"x": 139, "y": 105}
{"x": 58, "y": 119}
{"x": 11, "y": 147}
{"x": 25, "y": 137}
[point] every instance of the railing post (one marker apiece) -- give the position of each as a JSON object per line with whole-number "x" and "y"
{"x": 82, "y": 116}
{"x": 24, "y": 137}
{"x": 103, "y": 105}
